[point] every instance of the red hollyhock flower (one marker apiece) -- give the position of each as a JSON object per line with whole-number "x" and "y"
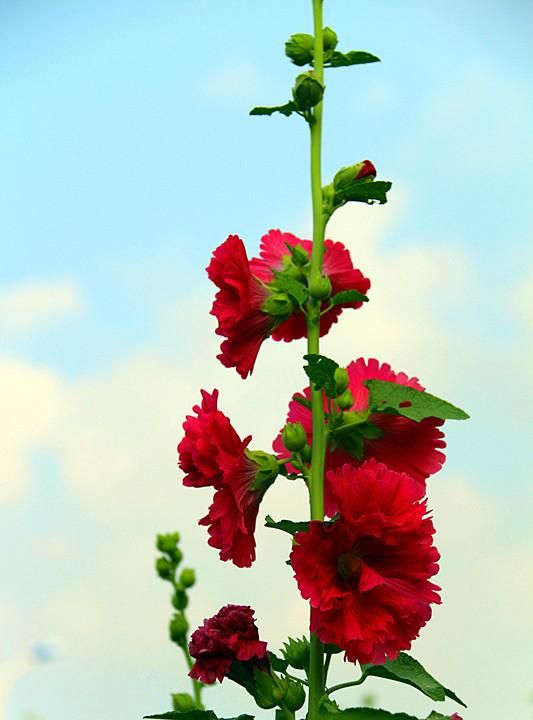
{"x": 367, "y": 574}
{"x": 212, "y": 454}
{"x": 405, "y": 445}
{"x": 237, "y": 306}
{"x": 367, "y": 169}
{"x": 229, "y": 636}
{"x": 337, "y": 265}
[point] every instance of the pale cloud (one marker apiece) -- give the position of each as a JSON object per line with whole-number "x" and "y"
{"x": 231, "y": 80}
{"x": 32, "y": 402}
{"x": 35, "y": 305}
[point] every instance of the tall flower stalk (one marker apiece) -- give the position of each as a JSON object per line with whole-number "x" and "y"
{"x": 363, "y": 438}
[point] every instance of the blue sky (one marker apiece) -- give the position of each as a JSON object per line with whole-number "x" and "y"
{"x": 127, "y": 155}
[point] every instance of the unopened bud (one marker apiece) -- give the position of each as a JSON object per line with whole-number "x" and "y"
{"x": 180, "y": 600}
{"x": 320, "y": 287}
{"x": 296, "y": 652}
{"x": 307, "y": 92}
{"x": 345, "y": 401}
{"x": 182, "y": 702}
{"x": 295, "y": 697}
{"x": 178, "y": 627}
{"x": 299, "y": 255}
{"x": 330, "y": 39}
{"x": 187, "y": 577}
{"x": 269, "y": 690}
{"x": 164, "y": 568}
{"x": 294, "y": 437}
{"x": 306, "y": 453}
{"x": 168, "y": 542}
{"x": 267, "y": 468}
{"x": 299, "y": 48}
{"x": 342, "y": 380}
{"x": 361, "y": 172}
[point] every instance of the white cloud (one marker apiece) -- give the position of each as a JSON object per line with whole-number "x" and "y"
{"x": 34, "y": 305}
{"x": 32, "y": 402}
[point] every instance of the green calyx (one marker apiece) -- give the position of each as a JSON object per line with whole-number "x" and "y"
{"x": 269, "y": 690}
{"x": 320, "y": 287}
{"x": 267, "y": 469}
{"x": 299, "y": 49}
{"x": 279, "y": 305}
{"x": 345, "y": 400}
{"x": 307, "y": 91}
{"x": 294, "y": 437}
{"x": 165, "y": 568}
{"x": 295, "y": 697}
{"x": 330, "y": 41}
{"x": 178, "y": 628}
{"x": 296, "y": 653}
{"x": 187, "y": 577}
{"x": 349, "y": 175}
{"x": 341, "y": 379}
{"x": 182, "y": 702}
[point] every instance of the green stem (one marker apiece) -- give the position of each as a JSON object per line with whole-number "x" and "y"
{"x": 196, "y": 686}
{"x": 353, "y": 683}
{"x": 316, "y": 479}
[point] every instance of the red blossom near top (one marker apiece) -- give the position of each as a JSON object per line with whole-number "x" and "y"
{"x": 367, "y": 574}
{"x": 237, "y": 306}
{"x": 367, "y": 170}
{"x": 211, "y": 453}
{"x": 337, "y": 265}
{"x": 406, "y": 445}
{"x": 229, "y": 636}
{"x": 455, "y": 716}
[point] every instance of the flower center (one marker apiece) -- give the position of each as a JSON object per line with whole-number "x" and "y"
{"x": 349, "y": 566}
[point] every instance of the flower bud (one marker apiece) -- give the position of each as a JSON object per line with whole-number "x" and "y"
{"x": 306, "y": 453}
{"x": 269, "y": 690}
{"x": 345, "y": 401}
{"x": 295, "y": 697}
{"x": 180, "y": 600}
{"x": 361, "y": 172}
{"x": 330, "y": 39}
{"x": 278, "y": 304}
{"x": 187, "y": 577}
{"x": 299, "y": 48}
{"x": 164, "y": 568}
{"x": 167, "y": 543}
{"x": 178, "y": 628}
{"x": 182, "y": 702}
{"x": 294, "y": 436}
{"x": 320, "y": 287}
{"x": 296, "y": 652}
{"x": 299, "y": 255}
{"x": 267, "y": 468}
{"x": 307, "y": 92}
{"x": 342, "y": 380}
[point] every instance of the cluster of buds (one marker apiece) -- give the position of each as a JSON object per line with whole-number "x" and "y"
{"x": 300, "y": 47}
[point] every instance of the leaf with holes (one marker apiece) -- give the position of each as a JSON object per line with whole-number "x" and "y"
{"x": 348, "y": 296}
{"x": 286, "y": 109}
{"x": 321, "y": 372}
{"x": 366, "y": 192}
{"x": 413, "y": 404}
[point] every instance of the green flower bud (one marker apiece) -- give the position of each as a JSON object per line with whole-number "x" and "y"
{"x": 182, "y": 702}
{"x": 306, "y": 453}
{"x": 187, "y": 577}
{"x": 330, "y": 39}
{"x": 307, "y": 92}
{"x": 178, "y": 628}
{"x": 361, "y": 172}
{"x": 299, "y": 48}
{"x": 295, "y": 697}
{"x": 167, "y": 543}
{"x": 296, "y": 653}
{"x": 269, "y": 690}
{"x": 180, "y": 600}
{"x": 267, "y": 468}
{"x": 345, "y": 401}
{"x": 320, "y": 287}
{"x": 278, "y": 304}
{"x": 294, "y": 436}
{"x": 342, "y": 380}
{"x": 299, "y": 255}
{"x": 164, "y": 568}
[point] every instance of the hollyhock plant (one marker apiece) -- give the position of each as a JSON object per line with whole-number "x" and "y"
{"x": 367, "y": 575}
{"x": 229, "y": 636}
{"x": 275, "y": 257}
{"x": 211, "y": 453}
{"x": 403, "y": 444}
{"x": 364, "y": 439}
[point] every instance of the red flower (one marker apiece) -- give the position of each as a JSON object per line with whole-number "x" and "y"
{"x": 237, "y": 306}
{"x": 212, "y": 454}
{"x": 367, "y": 170}
{"x": 229, "y": 636}
{"x": 367, "y": 574}
{"x": 404, "y": 445}
{"x": 337, "y": 265}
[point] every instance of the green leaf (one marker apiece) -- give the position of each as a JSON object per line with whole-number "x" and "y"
{"x": 348, "y": 296}
{"x": 289, "y": 526}
{"x": 321, "y": 373}
{"x": 278, "y": 664}
{"x": 286, "y": 109}
{"x": 352, "y": 57}
{"x": 366, "y": 192}
{"x": 411, "y": 403}
{"x": 406, "y": 669}
{"x": 329, "y": 710}
{"x": 196, "y": 715}
{"x": 297, "y": 290}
